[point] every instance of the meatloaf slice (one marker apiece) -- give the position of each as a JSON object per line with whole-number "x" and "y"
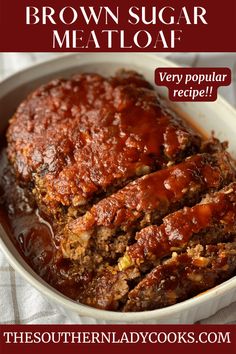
{"x": 75, "y": 140}
{"x": 109, "y": 289}
{"x": 183, "y": 276}
{"x": 108, "y": 227}
{"x": 210, "y": 221}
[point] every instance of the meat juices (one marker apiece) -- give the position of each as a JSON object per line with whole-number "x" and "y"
{"x": 99, "y": 160}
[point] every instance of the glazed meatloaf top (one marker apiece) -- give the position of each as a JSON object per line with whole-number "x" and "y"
{"x": 78, "y": 139}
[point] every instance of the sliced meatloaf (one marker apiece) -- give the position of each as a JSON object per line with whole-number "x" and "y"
{"x": 177, "y": 278}
{"x": 213, "y": 220}
{"x": 109, "y": 226}
{"x": 183, "y": 276}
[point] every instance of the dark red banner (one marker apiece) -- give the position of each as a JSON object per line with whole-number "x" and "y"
{"x": 161, "y": 339}
{"x": 193, "y": 84}
{"x": 153, "y": 26}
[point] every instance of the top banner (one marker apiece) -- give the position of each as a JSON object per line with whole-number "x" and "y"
{"x": 122, "y": 26}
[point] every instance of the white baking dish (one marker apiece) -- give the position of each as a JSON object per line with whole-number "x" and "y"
{"x": 218, "y": 116}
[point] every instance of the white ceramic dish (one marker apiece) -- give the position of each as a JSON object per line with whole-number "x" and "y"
{"x": 218, "y": 116}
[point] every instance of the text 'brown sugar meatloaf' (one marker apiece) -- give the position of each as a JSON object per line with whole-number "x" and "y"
{"x": 76, "y": 140}
{"x": 142, "y": 209}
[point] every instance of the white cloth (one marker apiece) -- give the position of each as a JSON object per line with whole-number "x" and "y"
{"x": 22, "y": 304}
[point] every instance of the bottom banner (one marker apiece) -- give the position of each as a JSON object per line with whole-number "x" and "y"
{"x": 117, "y": 338}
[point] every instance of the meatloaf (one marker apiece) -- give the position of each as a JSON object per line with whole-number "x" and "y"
{"x": 124, "y": 205}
